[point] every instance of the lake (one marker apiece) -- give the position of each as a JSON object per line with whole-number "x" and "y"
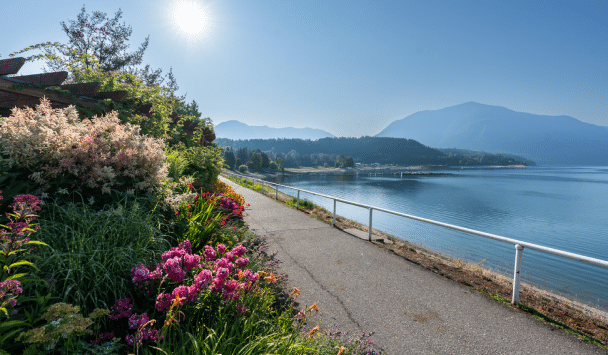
{"x": 563, "y": 208}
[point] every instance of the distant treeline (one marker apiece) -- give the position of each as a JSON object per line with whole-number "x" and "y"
{"x": 365, "y": 150}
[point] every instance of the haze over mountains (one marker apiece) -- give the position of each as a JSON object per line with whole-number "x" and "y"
{"x": 548, "y": 140}
{"x": 237, "y": 130}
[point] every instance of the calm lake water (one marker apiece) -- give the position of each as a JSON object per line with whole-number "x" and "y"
{"x": 563, "y": 208}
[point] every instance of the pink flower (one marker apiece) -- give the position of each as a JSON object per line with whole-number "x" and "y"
{"x": 139, "y": 273}
{"x": 203, "y": 278}
{"x": 239, "y": 251}
{"x": 136, "y": 321}
{"x": 209, "y": 253}
{"x": 191, "y": 261}
{"x": 221, "y": 249}
{"x": 163, "y": 301}
{"x": 242, "y": 262}
{"x": 174, "y": 269}
{"x": 122, "y": 308}
{"x": 222, "y": 273}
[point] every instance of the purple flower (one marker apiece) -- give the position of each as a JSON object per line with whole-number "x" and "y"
{"x": 122, "y": 308}
{"x": 209, "y": 253}
{"x": 222, "y": 273}
{"x": 163, "y": 301}
{"x": 186, "y": 246}
{"x": 174, "y": 269}
{"x": 191, "y": 261}
{"x": 242, "y": 262}
{"x": 203, "y": 278}
{"x": 139, "y": 273}
{"x": 136, "y": 321}
{"x": 239, "y": 251}
{"x": 221, "y": 249}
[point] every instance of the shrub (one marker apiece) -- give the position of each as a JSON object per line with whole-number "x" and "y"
{"x": 243, "y": 168}
{"x": 204, "y": 164}
{"x": 57, "y": 150}
{"x": 273, "y": 165}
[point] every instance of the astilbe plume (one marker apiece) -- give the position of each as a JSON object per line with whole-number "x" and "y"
{"x": 100, "y": 153}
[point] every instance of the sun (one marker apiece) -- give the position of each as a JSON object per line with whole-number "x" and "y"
{"x": 190, "y": 17}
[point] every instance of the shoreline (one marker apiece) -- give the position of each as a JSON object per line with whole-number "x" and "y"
{"x": 583, "y": 320}
{"x": 380, "y": 170}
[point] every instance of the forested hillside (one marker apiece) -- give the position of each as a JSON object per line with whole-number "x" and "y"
{"x": 366, "y": 150}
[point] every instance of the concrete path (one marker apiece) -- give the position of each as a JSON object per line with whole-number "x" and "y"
{"x": 363, "y": 288}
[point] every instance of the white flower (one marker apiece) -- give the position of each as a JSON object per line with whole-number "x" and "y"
{"x": 62, "y": 191}
{"x": 130, "y": 191}
{"x": 91, "y": 200}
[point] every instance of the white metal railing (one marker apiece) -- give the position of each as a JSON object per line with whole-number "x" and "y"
{"x": 519, "y": 245}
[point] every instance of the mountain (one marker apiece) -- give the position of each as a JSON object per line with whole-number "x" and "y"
{"x": 237, "y": 130}
{"x": 548, "y": 140}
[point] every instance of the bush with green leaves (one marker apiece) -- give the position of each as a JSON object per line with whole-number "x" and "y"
{"x": 59, "y": 152}
{"x": 91, "y": 252}
{"x": 243, "y": 168}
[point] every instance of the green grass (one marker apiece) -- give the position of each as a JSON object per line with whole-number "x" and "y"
{"x": 91, "y": 253}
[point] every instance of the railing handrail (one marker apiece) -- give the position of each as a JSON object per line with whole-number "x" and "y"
{"x": 562, "y": 253}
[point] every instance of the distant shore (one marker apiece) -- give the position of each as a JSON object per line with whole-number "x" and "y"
{"x": 376, "y": 170}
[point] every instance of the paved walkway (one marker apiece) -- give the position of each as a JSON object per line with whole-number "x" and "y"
{"x": 413, "y": 311}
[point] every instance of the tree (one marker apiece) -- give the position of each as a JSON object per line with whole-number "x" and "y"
{"x": 96, "y": 51}
{"x": 103, "y": 38}
{"x": 265, "y": 161}
{"x": 230, "y": 159}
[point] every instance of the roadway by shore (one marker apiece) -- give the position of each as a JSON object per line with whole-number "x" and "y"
{"x": 363, "y": 288}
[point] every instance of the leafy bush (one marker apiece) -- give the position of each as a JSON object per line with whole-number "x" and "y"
{"x": 58, "y": 151}
{"x": 243, "y": 168}
{"x": 204, "y": 164}
{"x": 91, "y": 252}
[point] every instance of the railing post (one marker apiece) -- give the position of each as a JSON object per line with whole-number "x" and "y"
{"x": 298, "y": 202}
{"x": 262, "y": 181}
{"x": 334, "y": 212}
{"x": 370, "y": 224}
{"x": 276, "y": 192}
{"x": 516, "y": 273}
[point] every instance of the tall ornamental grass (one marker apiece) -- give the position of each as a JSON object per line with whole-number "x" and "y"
{"x": 90, "y": 253}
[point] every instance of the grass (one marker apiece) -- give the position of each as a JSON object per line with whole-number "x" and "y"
{"x": 91, "y": 253}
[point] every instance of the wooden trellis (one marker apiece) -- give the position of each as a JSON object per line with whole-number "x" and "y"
{"x": 27, "y": 90}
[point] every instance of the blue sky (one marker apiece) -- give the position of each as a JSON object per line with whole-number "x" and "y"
{"x": 352, "y": 67}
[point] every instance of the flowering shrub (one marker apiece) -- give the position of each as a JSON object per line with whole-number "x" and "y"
{"x": 55, "y": 147}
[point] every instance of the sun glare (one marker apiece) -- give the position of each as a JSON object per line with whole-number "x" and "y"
{"x": 191, "y": 18}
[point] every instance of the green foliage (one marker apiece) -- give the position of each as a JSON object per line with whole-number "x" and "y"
{"x": 178, "y": 163}
{"x": 202, "y": 223}
{"x": 273, "y": 165}
{"x": 91, "y": 253}
{"x": 229, "y": 158}
{"x": 243, "y": 168}
{"x": 204, "y": 164}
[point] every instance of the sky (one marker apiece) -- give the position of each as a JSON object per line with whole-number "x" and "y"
{"x": 353, "y": 67}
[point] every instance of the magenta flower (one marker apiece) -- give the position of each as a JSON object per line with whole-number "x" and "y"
{"x": 122, "y": 308}
{"x": 239, "y": 251}
{"x": 186, "y": 246}
{"x": 191, "y": 261}
{"x": 163, "y": 301}
{"x": 174, "y": 269}
{"x": 209, "y": 253}
{"x": 203, "y": 278}
{"x": 221, "y": 249}
{"x": 139, "y": 273}
{"x": 242, "y": 262}
{"x": 136, "y": 321}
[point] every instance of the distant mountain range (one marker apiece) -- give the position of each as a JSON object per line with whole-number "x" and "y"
{"x": 237, "y": 130}
{"x": 548, "y": 140}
